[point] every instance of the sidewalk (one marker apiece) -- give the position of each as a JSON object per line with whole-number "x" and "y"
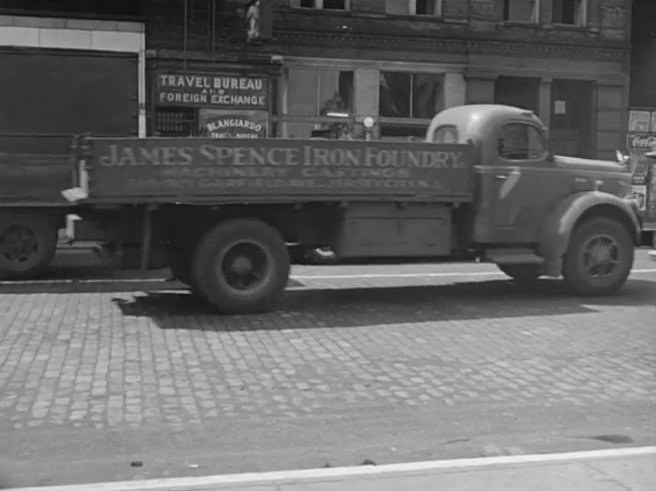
{"x": 601, "y": 470}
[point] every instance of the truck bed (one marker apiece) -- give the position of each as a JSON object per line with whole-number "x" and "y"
{"x": 35, "y": 169}
{"x": 201, "y": 170}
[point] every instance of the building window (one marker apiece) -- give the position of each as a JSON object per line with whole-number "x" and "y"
{"x": 322, "y": 4}
{"x": 572, "y": 12}
{"x": 521, "y": 11}
{"x": 410, "y": 95}
{"x": 175, "y": 121}
{"x": 407, "y": 102}
{"x": 414, "y": 7}
{"x": 519, "y": 141}
{"x": 318, "y": 100}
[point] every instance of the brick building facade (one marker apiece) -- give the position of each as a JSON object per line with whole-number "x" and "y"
{"x": 287, "y": 68}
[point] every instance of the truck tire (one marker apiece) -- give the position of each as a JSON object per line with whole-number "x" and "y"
{"x": 28, "y": 241}
{"x": 523, "y": 274}
{"x": 599, "y": 257}
{"x": 241, "y": 266}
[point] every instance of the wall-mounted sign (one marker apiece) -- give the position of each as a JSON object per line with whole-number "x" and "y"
{"x": 222, "y": 123}
{"x": 639, "y": 142}
{"x": 560, "y": 107}
{"x": 205, "y": 90}
{"x": 639, "y": 121}
{"x": 639, "y": 192}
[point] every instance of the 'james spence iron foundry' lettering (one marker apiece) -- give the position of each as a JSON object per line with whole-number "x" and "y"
{"x": 306, "y": 156}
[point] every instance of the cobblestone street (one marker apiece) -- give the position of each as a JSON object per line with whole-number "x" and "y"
{"x": 106, "y": 380}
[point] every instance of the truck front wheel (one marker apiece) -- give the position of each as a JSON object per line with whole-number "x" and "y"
{"x": 241, "y": 266}
{"x": 599, "y": 257}
{"x": 28, "y": 241}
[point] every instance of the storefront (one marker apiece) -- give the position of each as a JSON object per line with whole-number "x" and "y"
{"x": 641, "y": 138}
{"x": 210, "y": 104}
{"x": 319, "y": 95}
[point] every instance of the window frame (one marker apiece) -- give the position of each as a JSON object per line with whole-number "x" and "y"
{"x": 318, "y": 5}
{"x": 439, "y": 9}
{"x": 536, "y": 16}
{"x": 283, "y": 117}
{"x": 543, "y": 158}
{"x": 412, "y": 10}
{"x": 580, "y": 15}
{"x": 410, "y": 117}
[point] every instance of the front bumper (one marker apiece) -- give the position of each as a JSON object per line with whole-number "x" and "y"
{"x": 652, "y": 255}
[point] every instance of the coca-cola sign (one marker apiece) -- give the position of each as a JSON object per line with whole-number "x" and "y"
{"x": 641, "y": 142}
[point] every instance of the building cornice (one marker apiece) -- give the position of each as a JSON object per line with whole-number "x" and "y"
{"x": 375, "y": 42}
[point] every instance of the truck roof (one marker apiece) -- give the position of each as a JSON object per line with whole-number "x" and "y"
{"x": 473, "y": 121}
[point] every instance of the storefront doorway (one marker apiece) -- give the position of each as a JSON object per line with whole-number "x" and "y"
{"x": 572, "y": 117}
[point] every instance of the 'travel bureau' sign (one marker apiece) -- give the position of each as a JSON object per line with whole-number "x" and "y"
{"x": 205, "y": 167}
{"x": 207, "y": 90}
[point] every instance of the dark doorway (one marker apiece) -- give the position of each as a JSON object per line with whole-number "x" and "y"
{"x": 643, "y": 53}
{"x": 521, "y": 92}
{"x": 572, "y": 117}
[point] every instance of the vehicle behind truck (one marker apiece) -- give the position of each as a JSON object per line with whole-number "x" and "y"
{"x": 484, "y": 185}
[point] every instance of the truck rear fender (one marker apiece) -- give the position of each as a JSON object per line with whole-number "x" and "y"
{"x": 573, "y": 211}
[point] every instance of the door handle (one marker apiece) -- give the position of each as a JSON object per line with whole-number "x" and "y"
{"x": 501, "y": 177}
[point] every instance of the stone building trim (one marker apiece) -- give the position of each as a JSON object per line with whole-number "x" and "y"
{"x": 454, "y": 46}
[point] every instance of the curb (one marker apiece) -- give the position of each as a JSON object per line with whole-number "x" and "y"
{"x": 337, "y": 478}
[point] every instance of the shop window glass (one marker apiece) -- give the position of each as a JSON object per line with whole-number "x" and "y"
{"x": 402, "y": 132}
{"x": 319, "y": 92}
{"x": 519, "y": 141}
{"x": 410, "y": 95}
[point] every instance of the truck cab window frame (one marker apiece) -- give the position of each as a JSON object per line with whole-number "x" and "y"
{"x": 518, "y": 141}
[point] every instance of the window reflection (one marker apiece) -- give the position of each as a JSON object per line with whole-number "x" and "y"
{"x": 410, "y": 95}
{"x": 317, "y": 92}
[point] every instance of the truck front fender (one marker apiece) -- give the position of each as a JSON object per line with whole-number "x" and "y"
{"x": 574, "y": 209}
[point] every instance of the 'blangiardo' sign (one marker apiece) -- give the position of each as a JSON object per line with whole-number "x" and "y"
{"x": 206, "y": 167}
{"x": 205, "y": 90}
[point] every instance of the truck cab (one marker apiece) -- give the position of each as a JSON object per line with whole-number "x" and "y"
{"x": 530, "y": 202}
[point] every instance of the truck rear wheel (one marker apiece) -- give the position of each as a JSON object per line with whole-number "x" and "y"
{"x": 524, "y": 274}
{"x": 28, "y": 242}
{"x": 599, "y": 257}
{"x": 241, "y": 266}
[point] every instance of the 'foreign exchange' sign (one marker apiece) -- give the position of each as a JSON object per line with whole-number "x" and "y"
{"x": 204, "y": 90}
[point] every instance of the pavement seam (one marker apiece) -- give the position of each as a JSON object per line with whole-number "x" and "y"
{"x": 605, "y": 476}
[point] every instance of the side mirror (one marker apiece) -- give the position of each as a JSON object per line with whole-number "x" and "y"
{"x": 626, "y": 160}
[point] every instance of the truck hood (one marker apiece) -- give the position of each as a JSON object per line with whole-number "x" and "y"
{"x": 590, "y": 164}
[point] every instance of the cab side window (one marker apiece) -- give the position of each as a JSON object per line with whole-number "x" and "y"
{"x": 518, "y": 141}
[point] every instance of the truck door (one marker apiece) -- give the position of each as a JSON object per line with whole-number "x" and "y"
{"x": 518, "y": 185}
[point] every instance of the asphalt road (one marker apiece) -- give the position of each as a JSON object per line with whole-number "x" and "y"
{"x": 111, "y": 380}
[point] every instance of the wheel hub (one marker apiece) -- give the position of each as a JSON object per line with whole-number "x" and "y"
{"x": 17, "y": 244}
{"x": 242, "y": 265}
{"x": 601, "y": 256}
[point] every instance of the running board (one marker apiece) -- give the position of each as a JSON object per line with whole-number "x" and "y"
{"x": 513, "y": 256}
